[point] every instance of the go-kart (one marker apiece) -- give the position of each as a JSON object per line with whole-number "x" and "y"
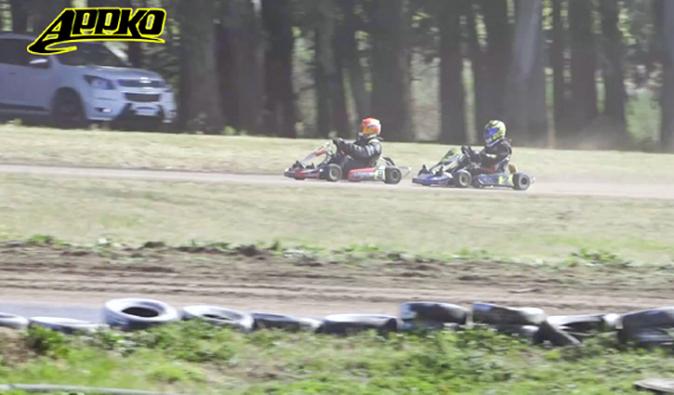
{"x": 458, "y": 169}
{"x": 386, "y": 170}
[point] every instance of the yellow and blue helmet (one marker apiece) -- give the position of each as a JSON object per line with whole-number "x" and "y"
{"x": 494, "y": 132}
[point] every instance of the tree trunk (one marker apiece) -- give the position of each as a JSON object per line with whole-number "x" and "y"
{"x": 583, "y": 65}
{"x": 558, "y": 63}
{"x": 331, "y": 112}
{"x": 667, "y": 95}
{"x": 499, "y": 40}
{"x": 19, "y": 10}
{"x": 199, "y": 97}
{"x": 526, "y": 112}
{"x": 240, "y": 64}
{"x": 348, "y": 53}
{"x": 613, "y": 70}
{"x": 452, "y": 92}
{"x": 391, "y": 80}
{"x": 478, "y": 67}
{"x": 280, "y": 115}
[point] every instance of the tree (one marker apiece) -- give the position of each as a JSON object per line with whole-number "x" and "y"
{"x": 583, "y": 65}
{"x": 526, "y": 111}
{"x": 452, "y": 92}
{"x": 558, "y": 63}
{"x": 350, "y": 57}
{"x": 19, "y": 10}
{"x": 239, "y": 59}
{"x": 199, "y": 97}
{"x": 478, "y": 64}
{"x": 332, "y": 113}
{"x": 280, "y": 115}
{"x": 391, "y": 79}
{"x": 612, "y": 68}
{"x": 499, "y": 39}
{"x": 666, "y": 25}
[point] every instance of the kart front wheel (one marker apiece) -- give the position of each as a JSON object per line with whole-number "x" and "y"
{"x": 393, "y": 175}
{"x": 463, "y": 179}
{"x": 333, "y": 173}
{"x": 521, "y": 181}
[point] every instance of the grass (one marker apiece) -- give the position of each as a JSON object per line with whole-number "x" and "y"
{"x": 271, "y": 155}
{"x": 429, "y": 222}
{"x": 194, "y": 358}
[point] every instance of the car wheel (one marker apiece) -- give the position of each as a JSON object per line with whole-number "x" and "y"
{"x": 392, "y": 175}
{"x": 68, "y": 111}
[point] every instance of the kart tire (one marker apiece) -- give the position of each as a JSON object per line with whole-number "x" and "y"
{"x": 66, "y": 325}
{"x": 284, "y": 322}
{"x": 333, "y": 173}
{"x": 13, "y": 321}
{"x": 463, "y": 179}
{"x": 555, "y": 335}
{"x": 132, "y": 313}
{"x": 521, "y": 181}
{"x": 346, "y": 324}
{"x": 646, "y": 337}
{"x": 528, "y": 332}
{"x": 433, "y": 313}
{"x": 662, "y": 317}
{"x": 487, "y": 313}
{"x": 579, "y": 323}
{"x": 219, "y": 316}
{"x": 392, "y": 175}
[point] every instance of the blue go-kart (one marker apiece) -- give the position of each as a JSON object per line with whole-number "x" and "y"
{"x": 457, "y": 169}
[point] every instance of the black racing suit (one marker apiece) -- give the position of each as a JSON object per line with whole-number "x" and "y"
{"x": 495, "y": 158}
{"x": 364, "y": 152}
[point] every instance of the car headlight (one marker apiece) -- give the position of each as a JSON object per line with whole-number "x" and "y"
{"x": 99, "y": 83}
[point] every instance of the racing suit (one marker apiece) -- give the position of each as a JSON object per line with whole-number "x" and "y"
{"x": 493, "y": 159}
{"x": 364, "y": 152}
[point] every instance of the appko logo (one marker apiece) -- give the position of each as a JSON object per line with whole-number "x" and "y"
{"x": 75, "y": 25}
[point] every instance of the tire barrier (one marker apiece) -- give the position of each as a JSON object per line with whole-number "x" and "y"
{"x": 66, "y": 325}
{"x": 346, "y": 324}
{"x": 284, "y": 322}
{"x": 431, "y": 315}
{"x": 134, "y": 313}
{"x": 12, "y": 321}
{"x": 219, "y": 316}
{"x": 646, "y": 328}
{"x": 487, "y": 313}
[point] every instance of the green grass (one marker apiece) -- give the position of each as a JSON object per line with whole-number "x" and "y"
{"x": 429, "y": 222}
{"x": 194, "y": 358}
{"x": 271, "y": 155}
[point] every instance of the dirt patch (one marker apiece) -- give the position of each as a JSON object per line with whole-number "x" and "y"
{"x": 237, "y": 277}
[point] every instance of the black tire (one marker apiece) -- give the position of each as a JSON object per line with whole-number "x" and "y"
{"x": 555, "y": 335}
{"x": 579, "y": 323}
{"x": 487, "y": 313}
{"x": 333, "y": 172}
{"x": 656, "y": 385}
{"x": 392, "y": 175}
{"x": 646, "y": 337}
{"x": 346, "y": 324}
{"x": 463, "y": 179}
{"x": 219, "y": 316}
{"x": 68, "y": 111}
{"x": 425, "y": 313}
{"x": 284, "y": 322}
{"x": 521, "y": 181}
{"x": 132, "y": 313}
{"x": 13, "y": 321}
{"x": 66, "y": 325}
{"x": 662, "y": 317}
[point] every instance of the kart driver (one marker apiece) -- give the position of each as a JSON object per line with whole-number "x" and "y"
{"x": 497, "y": 150}
{"x": 362, "y": 153}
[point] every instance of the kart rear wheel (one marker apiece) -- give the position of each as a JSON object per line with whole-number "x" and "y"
{"x": 392, "y": 175}
{"x": 521, "y": 181}
{"x": 463, "y": 179}
{"x": 333, "y": 173}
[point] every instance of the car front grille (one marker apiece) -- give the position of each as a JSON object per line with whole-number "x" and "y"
{"x": 142, "y": 97}
{"x": 142, "y": 83}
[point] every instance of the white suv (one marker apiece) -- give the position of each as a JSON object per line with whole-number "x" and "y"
{"x": 91, "y": 84}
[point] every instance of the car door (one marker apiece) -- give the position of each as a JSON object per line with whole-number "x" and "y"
{"x": 24, "y": 82}
{"x": 11, "y": 59}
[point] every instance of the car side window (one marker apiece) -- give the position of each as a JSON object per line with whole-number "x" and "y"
{"x": 13, "y": 51}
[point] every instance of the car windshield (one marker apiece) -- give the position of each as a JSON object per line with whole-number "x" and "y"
{"x": 92, "y": 55}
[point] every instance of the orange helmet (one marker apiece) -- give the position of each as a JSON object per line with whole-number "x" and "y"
{"x": 370, "y": 127}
